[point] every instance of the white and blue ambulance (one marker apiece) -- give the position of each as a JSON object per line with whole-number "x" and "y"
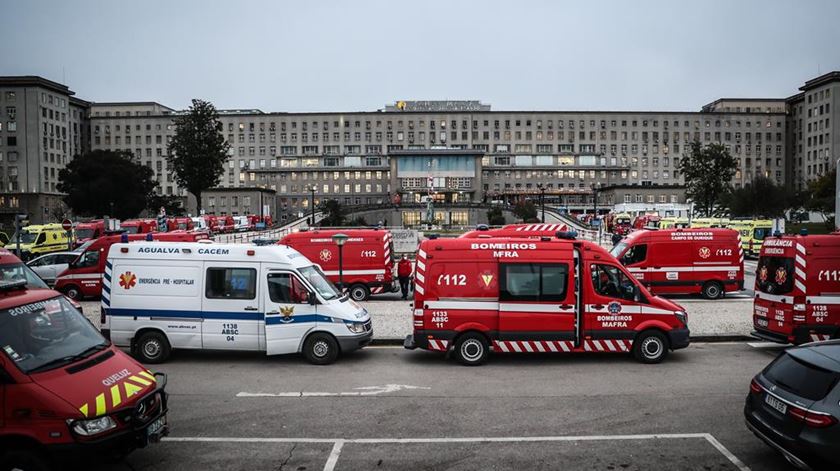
{"x": 163, "y": 295}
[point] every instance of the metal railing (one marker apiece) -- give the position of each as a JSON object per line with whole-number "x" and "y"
{"x": 270, "y": 234}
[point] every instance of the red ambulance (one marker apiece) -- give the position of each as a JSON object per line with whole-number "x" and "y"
{"x": 684, "y": 261}
{"x": 646, "y": 221}
{"x": 139, "y": 226}
{"x": 89, "y": 230}
{"x": 67, "y": 393}
{"x": 83, "y": 278}
{"x": 179, "y": 223}
{"x": 797, "y": 289}
{"x": 527, "y": 295}
{"x": 367, "y": 266}
{"x": 516, "y": 230}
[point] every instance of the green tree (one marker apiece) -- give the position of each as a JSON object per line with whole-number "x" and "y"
{"x": 106, "y": 182}
{"x": 760, "y": 198}
{"x": 821, "y": 197}
{"x": 173, "y": 205}
{"x": 334, "y": 214}
{"x": 525, "y": 210}
{"x": 198, "y": 151}
{"x": 495, "y": 217}
{"x": 707, "y": 171}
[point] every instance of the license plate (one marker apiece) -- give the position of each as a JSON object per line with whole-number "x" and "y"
{"x": 155, "y": 427}
{"x": 775, "y": 403}
{"x": 761, "y": 322}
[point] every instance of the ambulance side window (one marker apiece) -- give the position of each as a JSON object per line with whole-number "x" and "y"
{"x": 231, "y": 283}
{"x": 89, "y": 259}
{"x": 42, "y": 237}
{"x": 284, "y": 288}
{"x": 635, "y": 254}
{"x": 533, "y": 282}
{"x": 611, "y": 282}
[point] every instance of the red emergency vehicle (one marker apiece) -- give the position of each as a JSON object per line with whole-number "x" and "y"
{"x": 179, "y": 223}
{"x": 647, "y": 221}
{"x": 66, "y": 391}
{"x": 516, "y": 230}
{"x": 83, "y": 278}
{"x": 620, "y": 223}
{"x": 367, "y": 267}
{"x": 89, "y": 230}
{"x": 528, "y": 295}
{"x": 139, "y": 226}
{"x": 797, "y": 289}
{"x": 708, "y": 261}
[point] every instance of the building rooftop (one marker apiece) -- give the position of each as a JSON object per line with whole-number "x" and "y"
{"x": 34, "y": 81}
{"x": 821, "y": 80}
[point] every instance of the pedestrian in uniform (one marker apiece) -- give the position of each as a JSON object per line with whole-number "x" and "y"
{"x": 404, "y": 275}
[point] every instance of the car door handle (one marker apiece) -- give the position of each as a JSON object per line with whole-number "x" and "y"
{"x": 251, "y": 308}
{"x": 272, "y": 313}
{"x": 598, "y": 306}
{"x": 566, "y": 306}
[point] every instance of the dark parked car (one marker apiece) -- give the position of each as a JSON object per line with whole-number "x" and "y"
{"x": 793, "y": 405}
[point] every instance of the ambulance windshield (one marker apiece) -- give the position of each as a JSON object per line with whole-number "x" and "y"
{"x": 131, "y": 229}
{"x": 616, "y": 251}
{"x": 26, "y": 237}
{"x": 47, "y": 334}
{"x": 19, "y": 271}
{"x": 322, "y": 285}
{"x": 85, "y": 233}
{"x": 774, "y": 275}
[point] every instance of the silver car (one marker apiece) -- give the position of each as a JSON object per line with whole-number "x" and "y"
{"x": 49, "y": 266}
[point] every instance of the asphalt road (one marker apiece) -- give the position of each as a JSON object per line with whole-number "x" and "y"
{"x": 388, "y": 408}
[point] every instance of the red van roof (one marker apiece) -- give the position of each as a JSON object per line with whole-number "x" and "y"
{"x": 328, "y": 233}
{"x": 655, "y": 234}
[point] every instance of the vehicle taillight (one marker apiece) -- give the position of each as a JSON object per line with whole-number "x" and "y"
{"x": 810, "y": 418}
{"x": 755, "y": 388}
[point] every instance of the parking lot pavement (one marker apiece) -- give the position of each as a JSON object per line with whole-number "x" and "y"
{"x": 731, "y": 316}
{"x": 389, "y": 408}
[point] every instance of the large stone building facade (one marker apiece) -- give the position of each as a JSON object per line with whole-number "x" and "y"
{"x": 460, "y": 151}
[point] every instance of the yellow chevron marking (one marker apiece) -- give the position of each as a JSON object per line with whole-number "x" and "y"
{"x": 148, "y": 375}
{"x": 139, "y": 380}
{"x": 116, "y": 399}
{"x": 131, "y": 389}
{"x": 84, "y": 410}
{"x": 100, "y": 404}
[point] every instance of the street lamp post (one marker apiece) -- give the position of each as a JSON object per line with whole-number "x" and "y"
{"x": 312, "y": 201}
{"x": 542, "y": 189}
{"x": 339, "y": 240}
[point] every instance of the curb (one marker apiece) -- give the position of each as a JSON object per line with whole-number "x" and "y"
{"x": 694, "y": 338}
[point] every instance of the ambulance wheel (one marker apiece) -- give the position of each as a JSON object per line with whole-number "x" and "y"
{"x": 152, "y": 347}
{"x": 73, "y": 292}
{"x": 320, "y": 349}
{"x": 712, "y": 290}
{"x": 359, "y": 292}
{"x": 24, "y": 460}
{"x": 650, "y": 347}
{"x": 471, "y": 349}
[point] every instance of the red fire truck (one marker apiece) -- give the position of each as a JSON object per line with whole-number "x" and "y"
{"x": 685, "y": 261}
{"x": 139, "y": 226}
{"x": 516, "y": 230}
{"x": 83, "y": 278}
{"x": 89, "y": 230}
{"x": 646, "y": 221}
{"x": 179, "y": 223}
{"x": 547, "y": 295}
{"x": 797, "y": 289}
{"x": 366, "y": 268}
{"x": 67, "y": 393}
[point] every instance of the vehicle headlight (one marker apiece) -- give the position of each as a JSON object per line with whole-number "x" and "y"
{"x": 362, "y": 313}
{"x": 96, "y": 426}
{"x": 356, "y": 327}
{"x": 682, "y": 316}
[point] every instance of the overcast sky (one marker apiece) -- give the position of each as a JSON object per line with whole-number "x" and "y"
{"x": 324, "y": 55}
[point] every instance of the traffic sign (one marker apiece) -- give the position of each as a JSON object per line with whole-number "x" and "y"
{"x": 67, "y": 224}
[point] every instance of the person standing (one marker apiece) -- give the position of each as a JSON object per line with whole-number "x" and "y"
{"x": 404, "y": 275}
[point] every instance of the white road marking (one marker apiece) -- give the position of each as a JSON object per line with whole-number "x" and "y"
{"x": 338, "y": 443}
{"x": 767, "y": 345}
{"x": 361, "y": 391}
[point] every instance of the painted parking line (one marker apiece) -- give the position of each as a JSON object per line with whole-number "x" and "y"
{"x": 768, "y": 345}
{"x": 360, "y": 391}
{"x": 339, "y": 443}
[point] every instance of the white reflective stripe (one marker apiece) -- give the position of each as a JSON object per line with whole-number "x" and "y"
{"x": 815, "y": 337}
{"x": 800, "y": 248}
{"x": 478, "y": 305}
{"x": 682, "y": 269}
{"x": 421, "y": 266}
{"x": 800, "y": 273}
{"x": 418, "y": 313}
{"x": 418, "y": 288}
{"x": 656, "y": 310}
{"x": 356, "y": 272}
{"x": 433, "y": 344}
{"x": 800, "y": 285}
{"x": 501, "y": 346}
{"x": 598, "y": 345}
{"x": 773, "y": 297}
{"x": 420, "y": 277}
{"x": 823, "y": 299}
{"x": 81, "y": 276}
{"x": 609, "y": 345}
{"x": 800, "y": 261}
{"x": 551, "y": 346}
{"x": 521, "y": 307}
{"x": 527, "y": 346}
{"x": 418, "y": 323}
{"x": 564, "y": 346}
{"x": 587, "y": 346}
{"x": 421, "y": 254}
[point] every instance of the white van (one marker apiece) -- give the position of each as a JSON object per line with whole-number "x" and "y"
{"x": 163, "y": 295}
{"x": 241, "y": 223}
{"x": 199, "y": 223}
